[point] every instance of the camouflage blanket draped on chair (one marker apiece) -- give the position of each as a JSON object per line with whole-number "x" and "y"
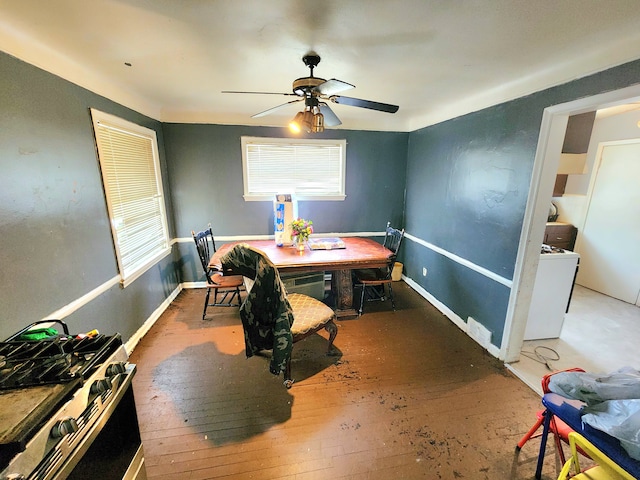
{"x": 266, "y": 313}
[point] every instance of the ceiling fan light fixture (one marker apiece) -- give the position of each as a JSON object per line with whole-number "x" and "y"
{"x": 318, "y": 123}
{"x": 295, "y": 125}
{"x": 308, "y": 121}
{"x": 311, "y": 121}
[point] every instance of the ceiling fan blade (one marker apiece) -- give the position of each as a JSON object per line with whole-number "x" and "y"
{"x": 333, "y": 86}
{"x": 260, "y": 93}
{"x": 356, "y": 102}
{"x": 273, "y": 109}
{"x": 330, "y": 118}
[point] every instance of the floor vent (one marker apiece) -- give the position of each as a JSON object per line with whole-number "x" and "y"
{"x": 478, "y": 332}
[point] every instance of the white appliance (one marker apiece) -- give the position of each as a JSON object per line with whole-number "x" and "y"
{"x": 551, "y": 293}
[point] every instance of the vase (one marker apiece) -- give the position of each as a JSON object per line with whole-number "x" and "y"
{"x": 299, "y": 243}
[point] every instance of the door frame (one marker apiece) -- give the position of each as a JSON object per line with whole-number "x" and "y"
{"x": 545, "y": 167}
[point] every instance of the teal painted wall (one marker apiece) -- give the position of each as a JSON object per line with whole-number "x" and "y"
{"x": 467, "y": 186}
{"x": 205, "y": 175}
{"x": 56, "y": 238}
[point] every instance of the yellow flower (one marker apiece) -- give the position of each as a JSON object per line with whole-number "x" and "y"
{"x": 302, "y": 228}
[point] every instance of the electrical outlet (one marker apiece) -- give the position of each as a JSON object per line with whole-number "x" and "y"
{"x": 424, "y": 271}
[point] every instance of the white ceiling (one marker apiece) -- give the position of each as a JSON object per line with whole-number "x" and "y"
{"x": 436, "y": 59}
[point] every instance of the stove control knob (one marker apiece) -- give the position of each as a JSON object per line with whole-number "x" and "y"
{"x": 116, "y": 369}
{"x": 100, "y": 386}
{"x": 64, "y": 427}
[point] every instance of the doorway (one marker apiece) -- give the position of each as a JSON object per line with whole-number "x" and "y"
{"x": 599, "y": 332}
{"x": 550, "y": 142}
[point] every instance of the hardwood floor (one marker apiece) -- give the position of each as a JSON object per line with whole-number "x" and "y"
{"x": 408, "y": 396}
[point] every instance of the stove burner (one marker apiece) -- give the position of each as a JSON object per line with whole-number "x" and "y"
{"x": 58, "y": 359}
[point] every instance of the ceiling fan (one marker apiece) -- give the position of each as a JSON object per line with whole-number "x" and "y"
{"x": 315, "y": 92}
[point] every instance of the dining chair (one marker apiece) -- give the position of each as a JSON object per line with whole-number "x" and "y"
{"x": 226, "y": 286}
{"x": 272, "y": 319}
{"x": 604, "y": 468}
{"x": 372, "y": 281}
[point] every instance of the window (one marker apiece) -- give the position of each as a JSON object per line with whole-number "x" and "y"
{"x": 311, "y": 169}
{"x": 130, "y": 167}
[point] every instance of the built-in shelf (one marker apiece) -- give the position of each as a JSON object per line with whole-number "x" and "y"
{"x": 573, "y": 164}
{"x": 559, "y": 186}
{"x": 573, "y": 159}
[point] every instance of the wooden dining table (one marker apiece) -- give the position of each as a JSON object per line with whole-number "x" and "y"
{"x": 358, "y": 253}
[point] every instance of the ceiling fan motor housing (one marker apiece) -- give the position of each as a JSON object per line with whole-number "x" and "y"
{"x": 303, "y": 85}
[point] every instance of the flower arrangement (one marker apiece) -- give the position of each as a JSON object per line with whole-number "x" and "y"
{"x": 301, "y": 229}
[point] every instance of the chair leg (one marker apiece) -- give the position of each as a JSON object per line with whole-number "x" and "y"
{"x": 235, "y": 295}
{"x": 333, "y": 331}
{"x": 393, "y": 303}
{"x": 553, "y": 427}
{"x": 546, "y": 423}
{"x": 206, "y": 303}
{"x": 215, "y": 296}
{"x": 288, "y": 381}
{"x": 381, "y": 293}
{"x": 223, "y": 302}
{"x": 362, "y": 300}
{"x": 530, "y": 433}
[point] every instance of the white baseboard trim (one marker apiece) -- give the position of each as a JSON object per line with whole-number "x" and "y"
{"x": 447, "y": 312}
{"x": 146, "y": 326}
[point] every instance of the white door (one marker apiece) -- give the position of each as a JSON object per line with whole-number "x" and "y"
{"x": 609, "y": 244}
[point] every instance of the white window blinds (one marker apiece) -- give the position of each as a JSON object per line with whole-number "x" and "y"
{"x": 312, "y": 169}
{"x": 133, "y": 189}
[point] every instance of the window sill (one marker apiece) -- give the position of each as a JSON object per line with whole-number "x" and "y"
{"x": 138, "y": 272}
{"x": 271, "y": 197}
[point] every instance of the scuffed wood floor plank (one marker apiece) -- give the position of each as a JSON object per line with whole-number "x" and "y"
{"x": 409, "y": 396}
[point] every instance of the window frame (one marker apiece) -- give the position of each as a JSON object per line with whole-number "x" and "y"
{"x": 131, "y": 270}
{"x": 249, "y": 196}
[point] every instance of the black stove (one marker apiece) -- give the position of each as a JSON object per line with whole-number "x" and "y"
{"x": 57, "y": 359}
{"x": 56, "y": 390}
